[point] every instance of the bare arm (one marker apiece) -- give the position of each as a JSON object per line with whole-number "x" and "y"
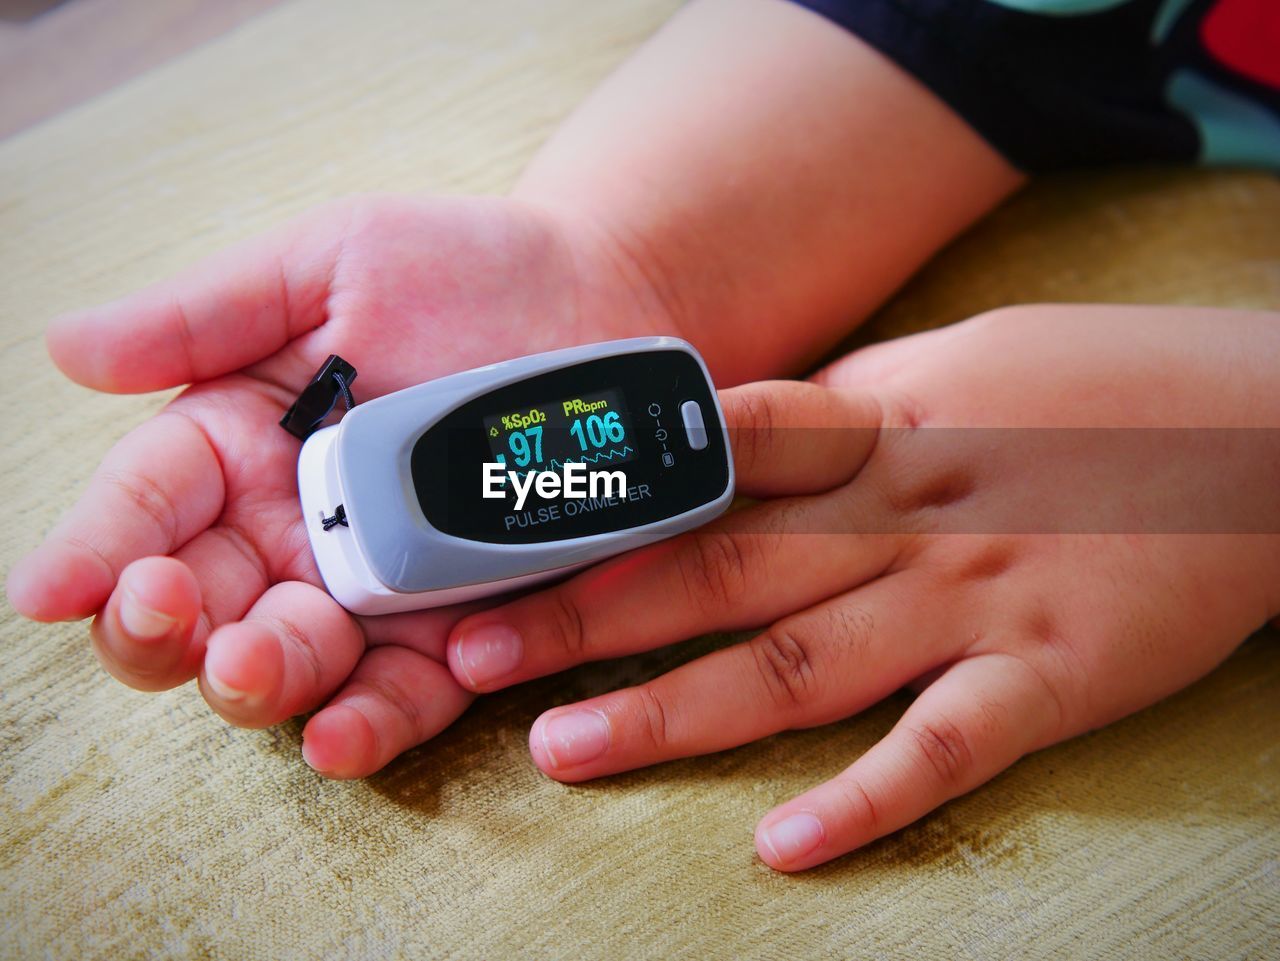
{"x": 768, "y": 172}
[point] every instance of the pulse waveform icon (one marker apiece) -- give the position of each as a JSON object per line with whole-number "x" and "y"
{"x": 614, "y": 453}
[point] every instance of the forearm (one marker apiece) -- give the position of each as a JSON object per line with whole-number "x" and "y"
{"x": 769, "y": 176}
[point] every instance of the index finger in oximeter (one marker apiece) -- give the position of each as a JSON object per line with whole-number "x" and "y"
{"x": 403, "y": 514}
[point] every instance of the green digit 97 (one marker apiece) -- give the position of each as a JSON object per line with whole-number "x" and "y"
{"x": 520, "y": 447}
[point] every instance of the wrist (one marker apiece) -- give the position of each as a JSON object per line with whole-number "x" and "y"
{"x": 623, "y": 287}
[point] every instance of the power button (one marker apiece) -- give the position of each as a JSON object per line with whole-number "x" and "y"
{"x": 694, "y": 427}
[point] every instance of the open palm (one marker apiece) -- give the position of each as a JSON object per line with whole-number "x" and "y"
{"x": 188, "y": 544}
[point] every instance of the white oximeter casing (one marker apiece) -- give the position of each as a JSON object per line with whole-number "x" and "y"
{"x": 407, "y": 470}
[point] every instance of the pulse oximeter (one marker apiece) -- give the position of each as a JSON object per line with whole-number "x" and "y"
{"x": 426, "y": 496}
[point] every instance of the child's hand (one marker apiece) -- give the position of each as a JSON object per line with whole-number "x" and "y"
{"x": 869, "y": 581}
{"x": 702, "y": 191}
{"x": 190, "y": 533}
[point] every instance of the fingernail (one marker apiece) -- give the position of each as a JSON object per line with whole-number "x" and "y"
{"x": 141, "y": 622}
{"x": 227, "y": 692}
{"x": 311, "y": 755}
{"x": 575, "y": 737}
{"x": 489, "y": 652}
{"x": 793, "y": 837}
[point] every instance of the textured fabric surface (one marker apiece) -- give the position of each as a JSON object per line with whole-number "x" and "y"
{"x": 136, "y": 825}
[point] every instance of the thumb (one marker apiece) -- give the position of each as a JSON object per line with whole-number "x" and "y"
{"x": 233, "y": 309}
{"x": 792, "y": 437}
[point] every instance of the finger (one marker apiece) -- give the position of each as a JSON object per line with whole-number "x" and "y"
{"x": 738, "y": 572}
{"x": 396, "y": 699}
{"x": 155, "y": 489}
{"x": 426, "y": 632}
{"x": 294, "y": 648}
{"x": 228, "y": 577}
{"x": 234, "y": 308}
{"x": 791, "y": 437}
{"x": 727, "y": 575}
{"x": 969, "y": 725}
{"x": 230, "y": 569}
{"x": 146, "y": 636}
{"x": 810, "y": 668}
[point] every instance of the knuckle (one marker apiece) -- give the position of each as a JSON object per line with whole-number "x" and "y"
{"x": 653, "y": 716}
{"x": 755, "y": 407}
{"x": 566, "y": 625}
{"x": 240, "y": 542}
{"x": 851, "y": 627}
{"x": 712, "y": 565}
{"x": 1066, "y": 685}
{"x": 383, "y": 686}
{"x": 859, "y": 806}
{"x": 987, "y": 559}
{"x": 301, "y": 642}
{"x": 82, "y": 544}
{"x": 184, "y": 335}
{"x": 148, "y": 497}
{"x": 942, "y": 489}
{"x": 755, "y": 416}
{"x": 901, "y": 412}
{"x": 944, "y": 750}
{"x": 784, "y": 660}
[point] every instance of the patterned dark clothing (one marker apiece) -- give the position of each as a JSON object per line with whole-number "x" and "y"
{"x": 1067, "y": 83}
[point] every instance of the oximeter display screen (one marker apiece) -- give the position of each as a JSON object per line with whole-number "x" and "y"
{"x": 628, "y": 415}
{"x": 589, "y": 428}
